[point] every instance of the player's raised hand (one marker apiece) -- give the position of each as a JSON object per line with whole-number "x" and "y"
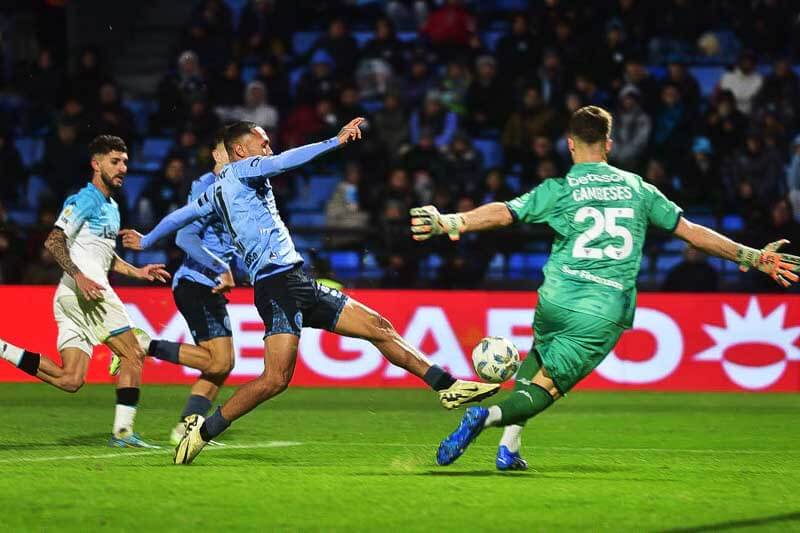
{"x": 91, "y": 290}
{"x": 782, "y": 268}
{"x": 131, "y": 239}
{"x": 426, "y": 222}
{"x": 154, "y": 273}
{"x": 225, "y": 283}
{"x": 350, "y": 131}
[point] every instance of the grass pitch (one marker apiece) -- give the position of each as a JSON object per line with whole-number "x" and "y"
{"x": 352, "y": 460}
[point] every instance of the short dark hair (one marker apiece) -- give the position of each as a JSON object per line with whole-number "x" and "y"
{"x": 105, "y": 144}
{"x": 219, "y": 137}
{"x": 234, "y": 132}
{"x": 590, "y": 124}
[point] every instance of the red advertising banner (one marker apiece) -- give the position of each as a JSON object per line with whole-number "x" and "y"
{"x": 692, "y": 342}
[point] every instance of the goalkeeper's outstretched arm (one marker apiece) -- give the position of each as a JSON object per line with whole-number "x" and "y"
{"x": 427, "y": 221}
{"x": 780, "y": 267}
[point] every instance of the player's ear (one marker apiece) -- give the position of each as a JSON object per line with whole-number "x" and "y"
{"x": 609, "y": 145}
{"x": 95, "y": 164}
{"x": 570, "y": 144}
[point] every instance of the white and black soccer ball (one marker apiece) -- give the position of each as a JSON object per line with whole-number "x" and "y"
{"x": 495, "y": 359}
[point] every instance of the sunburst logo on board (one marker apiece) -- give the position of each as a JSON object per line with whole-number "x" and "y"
{"x": 754, "y": 349}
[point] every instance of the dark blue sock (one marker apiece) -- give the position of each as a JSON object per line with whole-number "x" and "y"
{"x": 164, "y": 350}
{"x": 438, "y": 378}
{"x": 196, "y": 405}
{"x": 214, "y": 425}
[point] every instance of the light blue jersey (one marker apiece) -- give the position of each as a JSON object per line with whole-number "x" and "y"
{"x": 208, "y": 247}
{"x": 91, "y": 223}
{"x": 242, "y": 198}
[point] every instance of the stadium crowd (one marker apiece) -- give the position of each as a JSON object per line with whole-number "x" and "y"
{"x": 466, "y": 103}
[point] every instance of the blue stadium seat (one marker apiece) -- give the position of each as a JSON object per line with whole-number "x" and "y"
{"x": 22, "y": 217}
{"x": 304, "y": 241}
{"x": 407, "y": 36}
{"x": 362, "y": 37}
{"x": 151, "y": 156}
{"x": 497, "y": 267}
{"x": 31, "y": 150}
{"x": 490, "y": 38}
{"x": 709, "y": 221}
{"x": 674, "y": 245}
{"x": 666, "y": 262}
{"x": 132, "y": 188}
{"x": 491, "y": 150}
{"x": 718, "y": 263}
{"x": 707, "y": 77}
{"x": 315, "y": 194}
{"x": 37, "y": 186}
{"x": 372, "y": 105}
{"x": 302, "y": 41}
{"x": 294, "y": 78}
{"x": 514, "y": 182}
{"x": 307, "y": 219}
{"x": 249, "y": 73}
{"x": 370, "y": 269}
{"x": 236, "y": 7}
{"x": 141, "y": 109}
{"x": 147, "y": 257}
{"x": 342, "y": 261}
{"x": 732, "y": 223}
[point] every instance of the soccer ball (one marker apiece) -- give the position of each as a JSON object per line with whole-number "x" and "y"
{"x": 495, "y": 359}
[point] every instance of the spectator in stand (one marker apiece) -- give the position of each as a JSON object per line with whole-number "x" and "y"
{"x": 65, "y": 165}
{"x": 679, "y": 76}
{"x": 343, "y": 212}
{"x": 656, "y": 174}
{"x": 760, "y": 166}
{"x": 636, "y": 74}
{"x": 725, "y": 124}
{"x": 454, "y": 86}
{"x": 744, "y": 81}
{"x": 435, "y": 117}
{"x": 532, "y": 119}
{"x": 165, "y": 194}
{"x": 341, "y": 46}
{"x": 256, "y": 108}
{"x": 693, "y": 274}
{"x": 14, "y": 175}
{"x": 226, "y": 89}
{"x": 552, "y": 78}
{"x": 90, "y": 74}
{"x": 700, "y": 181}
{"x": 609, "y": 58}
{"x": 11, "y": 262}
{"x": 424, "y": 155}
{"x": 672, "y": 131}
{"x": 464, "y": 164}
{"x": 177, "y": 89}
{"x": 44, "y": 271}
{"x": 385, "y": 45}
{"x": 635, "y": 19}
{"x": 306, "y": 122}
{"x": 188, "y": 150}
{"x": 590, "y": 92}
{"x": 74, "y": 111}
{"x": 43, "y": 86}
{"x": 547, "y": 169}
{"x": 450, "y": 28}
{"x": 495, "y": 188}
{"x": 111, "y": 117}
{"x": 539, "y": 149}
{"x": 793, "y": 175}
{"x": 374, "y": 78}
{"x": 418, "y": 83}
{"x": 273, "y": 76}
{"x": 518, "y": 52}
{"x": 487, "y": 99}
{"x": 391, "y": 125}
{"x": 318, "y": 82}
{"x": 631, "y": 133}
{"x": 257, "y": 23}
{"x": 778, "y": 221}
{"x": 780, "y": 93}
{"x": 202, "y": 120}
{"x": 568, "y": 46}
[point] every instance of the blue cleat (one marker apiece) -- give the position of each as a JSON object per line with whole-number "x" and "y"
{"x": 507, "y": 460}
{"x": 130, "y": 440}
{"x": 456, "y": 443}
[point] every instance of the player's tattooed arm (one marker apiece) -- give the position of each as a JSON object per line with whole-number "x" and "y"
{"x": 147, "y": 273}
{"x": 56, "y": 244}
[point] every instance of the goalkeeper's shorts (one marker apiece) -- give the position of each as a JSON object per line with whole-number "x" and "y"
{"x": 571, "y": 344}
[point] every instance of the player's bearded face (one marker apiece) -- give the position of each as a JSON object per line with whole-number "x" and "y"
{"x": 257, "y": 143}
{"x": 113, "y": 167}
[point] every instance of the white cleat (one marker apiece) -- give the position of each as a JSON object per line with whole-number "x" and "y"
{"x": 462, "y": 392}
{"x": 180, "y": 430}
{"x": 192, "y": 443}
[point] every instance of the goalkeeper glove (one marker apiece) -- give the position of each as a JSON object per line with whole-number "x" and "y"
{"x": 427, "y": 221}
{"x": 780, "y": 267}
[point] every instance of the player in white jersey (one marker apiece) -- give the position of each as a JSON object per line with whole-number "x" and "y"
{"x": 86, "y": 308}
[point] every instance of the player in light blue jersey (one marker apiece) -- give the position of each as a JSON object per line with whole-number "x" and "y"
{"x": 286, "y": 298}
{"x": 86, "y": 308}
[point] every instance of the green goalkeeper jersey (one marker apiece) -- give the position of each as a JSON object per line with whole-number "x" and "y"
{"x": 600, "y": 215}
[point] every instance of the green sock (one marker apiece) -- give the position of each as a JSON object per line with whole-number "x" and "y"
{"x": 523, "y": 404}
{"x": 530, "y": 366}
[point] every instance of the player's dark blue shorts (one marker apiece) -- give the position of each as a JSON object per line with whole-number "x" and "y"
{"x": 205, "y": 312}
{"x": 291, "y": 300}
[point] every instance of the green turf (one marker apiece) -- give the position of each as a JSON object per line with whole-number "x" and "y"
{"x": 365, "y": 461}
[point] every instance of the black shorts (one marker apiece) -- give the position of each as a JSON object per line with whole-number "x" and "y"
{"x": 205, "y": 312}
{"x": 289, "y": 301}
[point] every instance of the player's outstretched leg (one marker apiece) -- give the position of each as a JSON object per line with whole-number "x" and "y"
{"x": 68, "y": 376}
{"x": 358, "y": 320}
{"x": 280, "y": 355}
{"x": 128, "y": 348}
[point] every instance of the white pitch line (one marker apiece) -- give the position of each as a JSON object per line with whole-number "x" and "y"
{"x": 123, "y": 454}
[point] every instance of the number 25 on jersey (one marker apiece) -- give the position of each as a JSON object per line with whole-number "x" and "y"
{"x": 603, "y": 221}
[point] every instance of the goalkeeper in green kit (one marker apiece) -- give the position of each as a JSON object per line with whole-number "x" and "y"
{"x": 600, "y": 215}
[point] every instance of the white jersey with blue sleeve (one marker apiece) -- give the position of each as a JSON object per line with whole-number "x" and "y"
{"x": 91, "y": 223}
{"x": 208, "y": 246}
